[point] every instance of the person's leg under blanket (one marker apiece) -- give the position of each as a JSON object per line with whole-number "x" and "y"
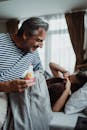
{"x": 31, "y": 109}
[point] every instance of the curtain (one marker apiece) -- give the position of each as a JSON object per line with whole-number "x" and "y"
{"x": 85, "y": 40}
{"x": 12, "y": 26}
{"x": 75, "y": 22}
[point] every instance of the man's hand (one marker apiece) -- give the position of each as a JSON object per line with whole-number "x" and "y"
{"x": 19, "y": 85}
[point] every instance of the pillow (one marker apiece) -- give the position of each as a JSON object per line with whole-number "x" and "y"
{"x": 78, "y": 101}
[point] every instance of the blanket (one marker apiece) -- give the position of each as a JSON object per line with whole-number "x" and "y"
{"x": 3, "y": 108}
{"x": 31, "y": 109}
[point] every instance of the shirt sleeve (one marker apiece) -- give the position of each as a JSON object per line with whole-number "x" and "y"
{"x": 37, "y": 62}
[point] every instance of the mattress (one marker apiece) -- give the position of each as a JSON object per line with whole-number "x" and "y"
{"x": 61, "y": 121}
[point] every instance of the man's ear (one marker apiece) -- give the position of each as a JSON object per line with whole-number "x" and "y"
{"x": 25, "y": 37}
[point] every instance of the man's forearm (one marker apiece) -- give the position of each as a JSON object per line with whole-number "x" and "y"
{"x": 4, "y": 86}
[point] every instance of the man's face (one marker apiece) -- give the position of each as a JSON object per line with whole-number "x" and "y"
{"x": 30, "y": 44}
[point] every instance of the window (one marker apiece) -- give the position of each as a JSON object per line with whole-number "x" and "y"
{"x": 58, "y": 47}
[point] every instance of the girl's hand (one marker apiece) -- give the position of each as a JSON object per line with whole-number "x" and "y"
{"x": 68, "y": 85}
{"x": 66, "y": 74}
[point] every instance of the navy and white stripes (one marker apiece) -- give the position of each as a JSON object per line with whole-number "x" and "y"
{"x": 13, "y": 61}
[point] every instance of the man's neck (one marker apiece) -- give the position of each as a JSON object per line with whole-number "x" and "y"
{"x": 16, "y": 40}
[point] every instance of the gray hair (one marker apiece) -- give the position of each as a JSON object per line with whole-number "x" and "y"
{"x": 31, "y": 25}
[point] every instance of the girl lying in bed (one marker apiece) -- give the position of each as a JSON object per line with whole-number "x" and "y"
{"x": 63, "y": 84}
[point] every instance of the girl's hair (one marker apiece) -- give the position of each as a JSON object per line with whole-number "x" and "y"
{"x": 82, "y": 78}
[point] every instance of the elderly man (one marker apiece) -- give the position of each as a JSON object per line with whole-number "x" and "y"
{"x": 17, "y": 51}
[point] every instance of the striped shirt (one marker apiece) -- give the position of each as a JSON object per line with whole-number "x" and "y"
{"x": 14, "y": 61}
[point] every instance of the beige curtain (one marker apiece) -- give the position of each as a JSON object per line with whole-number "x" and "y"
{"x": 75, "y": 23}
{"x": 12, "y": 26}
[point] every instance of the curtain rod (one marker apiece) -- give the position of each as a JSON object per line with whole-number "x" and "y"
{"x": 76, "y": 11}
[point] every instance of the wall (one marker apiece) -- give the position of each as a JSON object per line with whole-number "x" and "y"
{"x": 3, "y": 26}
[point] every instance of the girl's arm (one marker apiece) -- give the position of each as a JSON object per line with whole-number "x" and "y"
{"x": 61, "y": 101}
{"x": 58, "y": 71}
